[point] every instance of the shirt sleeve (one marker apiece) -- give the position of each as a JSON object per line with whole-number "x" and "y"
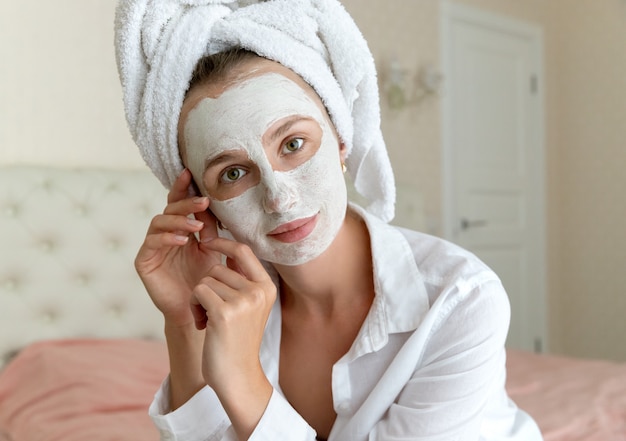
{"x": 281, "y": 422}
{"x": 203, "y": 418}
{"x": 461, "y": 370}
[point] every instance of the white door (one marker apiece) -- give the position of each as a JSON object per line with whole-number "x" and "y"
{"x": 493, "y": 156}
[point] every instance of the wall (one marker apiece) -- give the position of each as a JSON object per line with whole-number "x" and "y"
{"x": 589, "y": 166}
{"x": 411, "y": 29}
{"x": 585, "y": 104}
{"x": 60, "y": 99}
{"x": 60, "y": 103}
{"x": 407, "y": 31}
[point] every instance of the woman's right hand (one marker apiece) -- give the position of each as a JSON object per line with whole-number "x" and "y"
{"x": 171, "y": 261}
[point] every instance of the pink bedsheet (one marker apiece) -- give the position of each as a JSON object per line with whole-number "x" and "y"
{"x": 99, "y": 390}
{"x": 571, "y": 399}
{"x": 77, "y": 390}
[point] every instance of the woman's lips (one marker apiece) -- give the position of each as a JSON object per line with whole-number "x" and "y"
{"x": 295, "y": 230}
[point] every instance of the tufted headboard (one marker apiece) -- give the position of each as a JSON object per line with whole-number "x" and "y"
{"x": 68, "y": 239}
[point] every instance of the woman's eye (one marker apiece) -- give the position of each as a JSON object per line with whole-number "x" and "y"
{"x": 233, "y": 174}
{"x": 293, "y": 145}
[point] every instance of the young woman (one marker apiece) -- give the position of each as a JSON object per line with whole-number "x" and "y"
{"x": 293, "y": 315}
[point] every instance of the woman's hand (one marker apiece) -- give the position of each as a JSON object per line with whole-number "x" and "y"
{"x": 233, "y": 303}
{"x": 171, "y": 261}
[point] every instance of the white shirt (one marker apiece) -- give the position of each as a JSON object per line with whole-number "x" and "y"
{"x": 427, "y": 364}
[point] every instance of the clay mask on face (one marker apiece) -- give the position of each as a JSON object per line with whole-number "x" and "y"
{"x": 288, "y": 217}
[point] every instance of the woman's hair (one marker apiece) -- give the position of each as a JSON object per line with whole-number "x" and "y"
{"x": 219, "y": 66}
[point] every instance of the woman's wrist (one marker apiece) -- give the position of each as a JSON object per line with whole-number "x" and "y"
{"x": 179, "y": 321}
{"x": 245, "y": 399}
{"x": 184, "y": 345}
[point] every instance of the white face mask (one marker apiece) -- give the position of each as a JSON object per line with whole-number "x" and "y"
{"x": 308, "y": 200}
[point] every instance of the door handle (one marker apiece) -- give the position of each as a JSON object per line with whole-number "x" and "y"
{"x": 466, "y": 223}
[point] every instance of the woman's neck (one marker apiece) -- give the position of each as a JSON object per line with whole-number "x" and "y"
{"x": 334, "y": 280}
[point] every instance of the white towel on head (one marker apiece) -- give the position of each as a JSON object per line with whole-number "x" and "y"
{"x": 159, "y": 42}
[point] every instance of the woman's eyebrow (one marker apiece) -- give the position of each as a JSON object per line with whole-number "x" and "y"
{"x": 220, "y": 159}
{"x": 285, "y": 126}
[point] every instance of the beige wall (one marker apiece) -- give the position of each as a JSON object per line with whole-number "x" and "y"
{"x": 60, "y": 103}
{"x": 408, "y": 31}
{"x": 60, "y": 100}
{"x": 589, "y": 180}
{"x": 585, "y": 103}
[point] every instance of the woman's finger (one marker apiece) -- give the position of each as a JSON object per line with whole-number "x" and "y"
{"x": 187, "y": 206}
{"x": 150, "y": 256}
{"x": 215, "y": 287}
{"x": 229, "y": 276}
{"x": 180, "y": 188}
{"x": 199, "y": 313}
{"x": 209, "y": 295}
{"x": 209, "y": 231}
{"x": 157, "y": 241}
{"x": 181, "y": 225}
{"x": 242, "y": 257}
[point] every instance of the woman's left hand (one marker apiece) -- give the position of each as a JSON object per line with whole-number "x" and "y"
{"x": 233, "y": 303}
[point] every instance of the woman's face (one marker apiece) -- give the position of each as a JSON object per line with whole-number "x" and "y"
{"x": 265, "y": 153}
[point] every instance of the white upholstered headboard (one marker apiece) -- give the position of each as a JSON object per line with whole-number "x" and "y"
{"x": 68, "y": 239}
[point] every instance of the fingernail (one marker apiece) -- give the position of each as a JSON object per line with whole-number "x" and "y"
{"x": 195, "y": 223}
{"x": 181, "y": 239}
{"x": 206, "y": 239}
{"x": 199, "y": 200}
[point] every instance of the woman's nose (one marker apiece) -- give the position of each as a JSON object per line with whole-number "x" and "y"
{"x": 280, "y": 195}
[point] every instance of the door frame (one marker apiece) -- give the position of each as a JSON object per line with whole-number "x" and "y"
{"x": 451, "y": 12}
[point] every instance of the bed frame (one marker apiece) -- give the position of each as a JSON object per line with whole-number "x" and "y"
{"x": 68, "y": 239}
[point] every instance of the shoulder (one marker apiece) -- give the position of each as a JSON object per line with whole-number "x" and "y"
{"x": 462, "y": 289}
{"x": 468, "y": 303}
{"x": 442, "y": 263}
{"x": 450, "y": 274}
{"x": 458, "y": 283}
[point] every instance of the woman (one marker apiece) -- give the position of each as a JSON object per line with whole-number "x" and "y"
{"x": 322, "y": 321}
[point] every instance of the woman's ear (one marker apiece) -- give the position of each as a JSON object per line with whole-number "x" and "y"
{"x": 342, "y": 152}
{"x": 342, "y": 157}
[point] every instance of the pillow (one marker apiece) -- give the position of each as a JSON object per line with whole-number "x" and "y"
{"x": 87, "y": 389}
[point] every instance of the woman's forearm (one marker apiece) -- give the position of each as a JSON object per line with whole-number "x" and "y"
{"x": 245, "y": 399}
{"x": 184, "y": 345}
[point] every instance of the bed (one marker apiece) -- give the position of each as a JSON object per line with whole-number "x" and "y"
{"x": 80, "y": 341}
{"x": 81, "y": 349}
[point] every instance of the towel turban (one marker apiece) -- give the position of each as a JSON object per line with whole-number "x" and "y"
{"x": 159, "y": 42}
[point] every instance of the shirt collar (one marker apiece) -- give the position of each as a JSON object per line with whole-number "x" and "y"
{"x": 401, "y": 299}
